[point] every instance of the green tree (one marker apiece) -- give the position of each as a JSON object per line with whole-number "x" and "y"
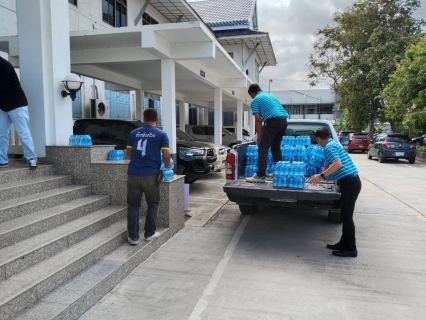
{"x": 360, "y": 53}
{"x": 405, "y": 95}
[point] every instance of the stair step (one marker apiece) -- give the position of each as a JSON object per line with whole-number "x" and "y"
{"x": 20, "y": 188}
{"x": 76, "y": 296}
{"x": 30, "y": 251}
{"x": 16, "y": 230}
{"x": 16, "y": 173}
{"x": 21, "y": 206}
{"x": 24, "y": 289}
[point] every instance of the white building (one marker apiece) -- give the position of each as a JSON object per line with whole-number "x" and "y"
{"x": 310, "y": 104}
{"x": 130, "y": 53}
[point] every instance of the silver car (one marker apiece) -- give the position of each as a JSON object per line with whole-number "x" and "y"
{"x": 392, "y": 145}
{"x": 221, "y": 150}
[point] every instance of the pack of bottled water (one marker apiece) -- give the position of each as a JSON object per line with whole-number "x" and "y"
{"x": 116, "y": 155}
{"x": 168, "y": 173}
{"x": 252, "y": 157}
{"x": 289, "y": 175}
{"x": 80, "y": 140}
{"x": 270, "y": 160}
{"x": 296, "y": 141}
{"x": 250, "y": 170}
{"x": 300, "y": 160}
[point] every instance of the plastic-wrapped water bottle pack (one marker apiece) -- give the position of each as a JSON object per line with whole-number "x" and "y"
{"x": 168, "y": 173}
{"x": 116, "y": 155}
{"x": 80, "y": 141}
{"x": 289, "y": 175}
{"x": 298, "y": 155}
{"x": 252, "y": 160}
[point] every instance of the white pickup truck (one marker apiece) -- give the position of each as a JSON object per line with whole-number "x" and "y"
{"x": 249, "y": 196}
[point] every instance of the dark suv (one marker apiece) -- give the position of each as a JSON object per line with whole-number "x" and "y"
{"x": 344, "y": 134}
{"x": 392, "y": 145}
{"x": 194, "y": 159}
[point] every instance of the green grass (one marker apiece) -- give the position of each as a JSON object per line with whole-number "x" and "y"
{"x": 421, "y": 148}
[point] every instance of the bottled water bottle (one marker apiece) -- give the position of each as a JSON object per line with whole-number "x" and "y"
{"x": 275, "y": 181}
{"x": 291, "y": 182}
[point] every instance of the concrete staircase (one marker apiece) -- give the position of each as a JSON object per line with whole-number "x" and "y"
{"x": 61, "y": 247}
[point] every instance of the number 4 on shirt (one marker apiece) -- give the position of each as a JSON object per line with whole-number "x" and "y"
{"x": 142, "y": 147}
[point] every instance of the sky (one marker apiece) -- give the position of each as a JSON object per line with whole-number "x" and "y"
{"x": 291, "y": 25}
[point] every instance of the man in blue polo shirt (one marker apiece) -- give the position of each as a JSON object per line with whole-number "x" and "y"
{"x": 267, "y": 109}
{"x": 144, "y": 176}
{"x": 340, "y": 165}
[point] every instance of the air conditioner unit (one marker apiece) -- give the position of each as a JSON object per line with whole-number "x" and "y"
{"x": 99, "y": 109}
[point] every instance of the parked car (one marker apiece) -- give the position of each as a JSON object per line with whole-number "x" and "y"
{"x": 194, "y": 159}
{"x": 343, "y": 134}
{"x": 233, "y": 130}
{"x": 420, "y": 140}
{"x": 221, "y": 150}
{"x": 392, "y": 145}
{"x": 205, "y": 133}
{"x": 358, "y": 141}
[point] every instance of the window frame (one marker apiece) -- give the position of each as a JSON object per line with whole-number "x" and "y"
{"x": 112, "y": 19}
{"x": 148, "y": 20}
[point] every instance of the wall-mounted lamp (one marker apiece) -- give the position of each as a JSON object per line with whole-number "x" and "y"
{"x": 72, "y": 84}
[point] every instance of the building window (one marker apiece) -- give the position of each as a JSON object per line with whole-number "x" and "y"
{"x": 296, "y": 111}
{"x": 147, "y": 19}
{"x": 74, "y": 2}
{"x": 231, "y": 54}
{"x": 310, "y": 111}
{"x": 114, "y": 12}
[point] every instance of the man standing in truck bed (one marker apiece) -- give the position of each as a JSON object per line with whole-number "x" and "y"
{"x": 266, "y": 108}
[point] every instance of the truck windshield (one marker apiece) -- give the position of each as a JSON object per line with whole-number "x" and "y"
{"x": 303, "y": 129}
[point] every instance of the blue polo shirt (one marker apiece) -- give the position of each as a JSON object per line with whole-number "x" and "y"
{"x": 267, "y": 106}
{"x": 146, "y": 144}
{"x": 334, "y": 151}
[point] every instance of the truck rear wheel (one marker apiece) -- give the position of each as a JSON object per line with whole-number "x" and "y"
{"x": 334, "y": 216}
{"x": 248, "y": 209}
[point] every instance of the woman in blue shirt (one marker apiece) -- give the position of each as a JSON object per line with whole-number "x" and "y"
{"x": 340, "y": 165}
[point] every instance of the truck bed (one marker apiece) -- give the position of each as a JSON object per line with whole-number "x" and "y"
{"x": 325, "y": 191}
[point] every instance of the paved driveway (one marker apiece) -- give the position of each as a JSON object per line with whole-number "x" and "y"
{"x": 274, "y": 265}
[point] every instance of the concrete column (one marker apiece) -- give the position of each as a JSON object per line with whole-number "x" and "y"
{"x": 140, "y": 104}
{"x": 252, "y": 127}
{"x": 44, "y": 58}
{"x": 168, "y": 106}
{"x": 206, "y": 116}
{"x": 183, "y": 115}
{"x": 239, "y": 121}
{"x": 218, "y": 116}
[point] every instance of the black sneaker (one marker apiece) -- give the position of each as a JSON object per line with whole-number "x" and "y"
{"x": 33, "y": 163}
{"x": 4, "y": 165}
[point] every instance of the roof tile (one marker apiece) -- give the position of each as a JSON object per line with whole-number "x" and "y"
{"x": 218, "y": 13}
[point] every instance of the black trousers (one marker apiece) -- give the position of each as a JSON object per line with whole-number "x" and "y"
{"x": 349, "y": 191}
{"x": 272, "y": 132}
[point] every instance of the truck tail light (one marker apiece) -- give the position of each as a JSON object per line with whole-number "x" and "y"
{"x": 385, "y": 145}
{"x": 230, "y": 166}
{"x": 413, "y": 146}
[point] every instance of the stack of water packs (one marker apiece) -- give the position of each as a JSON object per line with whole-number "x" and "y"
{"x": 300, "y": 160}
